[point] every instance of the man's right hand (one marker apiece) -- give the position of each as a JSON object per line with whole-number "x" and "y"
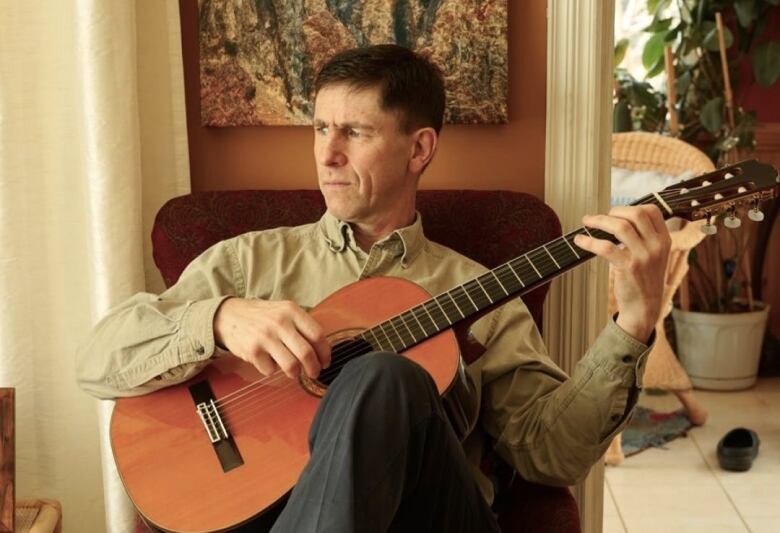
{"x": 272, "y": 335}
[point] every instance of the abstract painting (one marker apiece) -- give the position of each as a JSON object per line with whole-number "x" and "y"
{"x": 258, "y": 58}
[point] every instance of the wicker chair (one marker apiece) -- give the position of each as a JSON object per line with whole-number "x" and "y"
{"x": 649, "y": 151}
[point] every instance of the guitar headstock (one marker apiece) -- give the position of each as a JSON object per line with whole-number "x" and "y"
{"x": 720, "y": 193}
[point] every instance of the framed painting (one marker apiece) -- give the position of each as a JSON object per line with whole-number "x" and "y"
{"x": 258, "y": 58}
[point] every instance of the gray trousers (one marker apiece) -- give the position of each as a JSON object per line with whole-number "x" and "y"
{"x": 384, "y": 458}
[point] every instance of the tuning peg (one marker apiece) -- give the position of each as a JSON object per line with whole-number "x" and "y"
{"x": 732, "y": 222}
{"x": 755, "y": 214}
{"x": 710, "y": 228}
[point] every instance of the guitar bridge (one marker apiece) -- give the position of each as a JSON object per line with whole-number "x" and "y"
{"x": 224, "y": 446}
{"x": 212, "y": 421}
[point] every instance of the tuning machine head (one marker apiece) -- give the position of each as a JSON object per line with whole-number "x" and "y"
{"x": 754, "y": 213}
{"x": 710, "y": 228}
{"x": 731, "y": 220}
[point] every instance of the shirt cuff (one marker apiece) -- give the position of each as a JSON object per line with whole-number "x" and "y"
{"x": 621, "y": 354}
{"x": 197, "y": 330}
{"x": 194, "y": 344}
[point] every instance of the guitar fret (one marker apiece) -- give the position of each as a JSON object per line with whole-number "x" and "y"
{"x": 506, "y": 292}
{"x": 564, "y": 253}
{"x": 551, "y": 256}
{"x": 483, "y": 289}
{"x": 516, "y": 274}
{"x": 422, "y": 328}
{"x": 408, "y": 328}
{"x": 508, "y": 279}
{"x": 571, "y": 247}
{"x": 382, "y": 329}
{"x": 527, "y": 258}
{"x": 397, "y": 333}
{"x": 433, "y": 321}
{"x": 378, "y": 344}
{"x": 443, "y": 312}
{"x": 454, "y": 302}
{"x": 463, "y": 288}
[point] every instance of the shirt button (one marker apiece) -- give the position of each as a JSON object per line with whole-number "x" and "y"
{"x": 627, "y": 359}
{"x": 201, "y": 350}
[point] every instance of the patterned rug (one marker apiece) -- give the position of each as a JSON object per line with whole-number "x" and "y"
{"x": 649, "y": 428}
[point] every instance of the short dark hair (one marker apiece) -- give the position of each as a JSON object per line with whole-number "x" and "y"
{"x": 408, "y": 82}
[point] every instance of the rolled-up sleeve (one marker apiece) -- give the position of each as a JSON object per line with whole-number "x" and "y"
{"x": 152, "y": 341}
{"x": 552, "y": 428}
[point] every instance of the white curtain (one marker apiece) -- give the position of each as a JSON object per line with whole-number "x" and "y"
{"x": 92, "y": 142}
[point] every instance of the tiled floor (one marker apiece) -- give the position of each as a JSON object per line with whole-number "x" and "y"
{"x": 682, "y": 489}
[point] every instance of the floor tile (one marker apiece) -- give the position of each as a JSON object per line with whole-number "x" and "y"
{"x": 670, "y": 507}
{"x": 683, "y": 489}
{"x": 763, "y": 525}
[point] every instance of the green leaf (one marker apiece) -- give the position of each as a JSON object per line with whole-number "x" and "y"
{"x": 711, "y": 39}
{"x": 682, "y": 83}
{"x": 659, "y": 25}
{"x": 654, "y": 5}
{"x": 620, "y": 51}
{"x": 656, "y": 69}
{"x": 766, "y": 63}
{"x": 654, "y": 50}
{"x": 712, "y": 115}
{"x": 746, "y": 12}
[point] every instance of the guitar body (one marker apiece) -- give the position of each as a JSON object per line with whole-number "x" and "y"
{"x": 168, "y": 464}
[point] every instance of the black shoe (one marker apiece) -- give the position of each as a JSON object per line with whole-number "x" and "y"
{"x": 737, "y": 449}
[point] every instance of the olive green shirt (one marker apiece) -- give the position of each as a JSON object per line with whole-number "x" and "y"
{"x": 550, "y": 427}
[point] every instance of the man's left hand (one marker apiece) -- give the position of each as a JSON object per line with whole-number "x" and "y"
{"x": 639, "y": 263}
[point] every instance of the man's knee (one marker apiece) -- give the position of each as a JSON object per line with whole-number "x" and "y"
{"x": 385, "y": 370}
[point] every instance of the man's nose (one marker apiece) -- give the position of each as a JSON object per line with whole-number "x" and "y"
{"x": 331, "y": 151}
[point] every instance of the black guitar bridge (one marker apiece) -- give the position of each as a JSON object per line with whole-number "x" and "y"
{"x": 216, "y": 431}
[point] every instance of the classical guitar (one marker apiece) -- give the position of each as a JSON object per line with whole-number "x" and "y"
{"x": 219, "y": 450}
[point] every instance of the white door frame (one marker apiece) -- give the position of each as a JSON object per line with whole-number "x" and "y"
{"x": 577, "y": 181}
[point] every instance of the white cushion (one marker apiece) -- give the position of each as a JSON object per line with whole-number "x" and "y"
{"x": 630, "y": 185}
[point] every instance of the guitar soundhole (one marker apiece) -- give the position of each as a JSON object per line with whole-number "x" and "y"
{"x": 341, "y": 354}
{"x": 343, "y": 351}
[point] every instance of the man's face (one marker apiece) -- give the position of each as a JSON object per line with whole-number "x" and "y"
{"x": 362, "y": 157}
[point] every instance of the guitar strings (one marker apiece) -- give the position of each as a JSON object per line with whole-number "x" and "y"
{"x": 543, "y": 264}
{"x": 459, "y": 299}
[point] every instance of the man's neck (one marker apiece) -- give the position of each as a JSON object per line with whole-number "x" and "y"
{"x": 368, "y": 234}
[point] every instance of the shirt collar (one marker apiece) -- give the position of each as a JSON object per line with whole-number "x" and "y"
{"x": 408, "y": 240}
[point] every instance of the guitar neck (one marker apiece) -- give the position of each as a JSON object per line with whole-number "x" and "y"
{"x": 704, "y": 196}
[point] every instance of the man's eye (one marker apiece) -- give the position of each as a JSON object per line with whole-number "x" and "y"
{"x": 322, "y": 130}
{"x": 353, "y": 132}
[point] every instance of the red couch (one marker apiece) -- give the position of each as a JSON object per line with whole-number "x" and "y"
{"x": 488, "y": 226}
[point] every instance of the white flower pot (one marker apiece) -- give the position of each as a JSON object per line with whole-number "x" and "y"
{"x": 721, "y": 351}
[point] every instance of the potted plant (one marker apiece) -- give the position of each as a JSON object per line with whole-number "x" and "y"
{"x": 707, "y": 118}
{"x": 719, "y": 337}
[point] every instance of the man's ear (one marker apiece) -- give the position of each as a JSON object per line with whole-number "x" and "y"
{"x": 425, "y": 140}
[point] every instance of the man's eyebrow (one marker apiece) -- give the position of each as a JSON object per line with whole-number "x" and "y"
{"x": 318, "y": 123}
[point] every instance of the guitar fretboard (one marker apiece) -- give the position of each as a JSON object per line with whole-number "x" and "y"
{"x": 510, "y": 279}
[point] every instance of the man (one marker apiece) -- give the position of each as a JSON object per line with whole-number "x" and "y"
{"x": 383, "y": 456}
